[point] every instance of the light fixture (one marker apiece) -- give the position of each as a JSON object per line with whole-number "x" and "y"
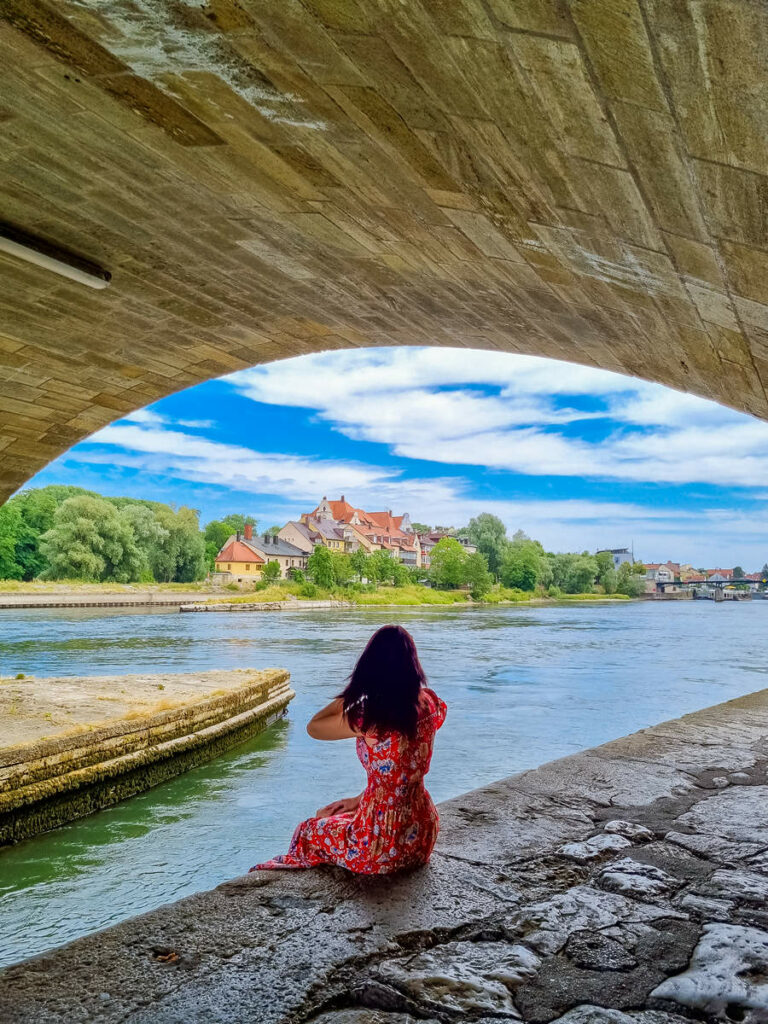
{"x": 50, "y": 257}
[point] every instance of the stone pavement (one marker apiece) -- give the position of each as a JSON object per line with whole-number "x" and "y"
{"x": 623, "y": 885}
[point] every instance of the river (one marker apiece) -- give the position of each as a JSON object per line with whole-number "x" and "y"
{"x": 523, "y": 686}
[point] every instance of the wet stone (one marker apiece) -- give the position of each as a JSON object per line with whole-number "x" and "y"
{"x": 738, "y": 815}
{"x": 598, "y": 952}
{"x": 727, "y": 978}
{"x": 462, "y": 977}
{"x": 594, "y": 848}
{"x": 631, "y": 830}
{"x": 714, "y": 847}
{"x": 643, "y": 881}
{"x": 708, "y": 907}
{"x": 737, "y": 885}
{"x": 600, "y": 1015}
{"x": 362, "y": 1015}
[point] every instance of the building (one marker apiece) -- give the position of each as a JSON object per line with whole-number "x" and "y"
{"x": 244, "y": 556}
{"x": 618, "y": 555}
{"x": 719, "y": 575}
{"x": 341, "y": 527}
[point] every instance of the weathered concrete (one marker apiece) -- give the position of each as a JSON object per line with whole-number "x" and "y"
{"x": 69, "y": 746}
{"x": 582, "y": 179}
{"x": 532, "y": 909}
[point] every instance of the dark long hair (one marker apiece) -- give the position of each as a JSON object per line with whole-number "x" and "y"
{"x": 382, "y": 694}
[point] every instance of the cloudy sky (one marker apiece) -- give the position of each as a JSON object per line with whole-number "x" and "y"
{"x": 577, "y": 457}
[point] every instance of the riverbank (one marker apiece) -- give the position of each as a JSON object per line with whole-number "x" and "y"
{"x": 14, "y": 594}
{"x": 411, "y": 596}
{"x": 70, "y": 746}
{"x": 631, "y": 876}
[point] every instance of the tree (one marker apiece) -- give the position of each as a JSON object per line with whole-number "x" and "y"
{"x": 273, "y": 531}
{"x": 629, "y": 582}
{"x": 489, "y": 535}
{"x": 738, "y": 572}
{"x": 521, "y": 566}
{"x": 421, "y": 528}
{"x": 359, "y": 562}
{"x": 380, "y": 567}
{"x": 271, "y": 572}
{"x": 400, "y": 574}
{"x": 320, "y": 567}
{"x": 149, "y": 535}
{"x": 342, "y": 568}
{"x": 218, "y": 531}
{"x": 10, "y": 530}
{"x": 606, "y": 573}
{"x": 478, "y": 577}
{"x": 180, "y": 557}
{"x": 91, "y": 540}
{"x": 448, "y": 563}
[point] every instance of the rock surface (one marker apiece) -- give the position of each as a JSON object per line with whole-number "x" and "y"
{"x": 666, "y": 927}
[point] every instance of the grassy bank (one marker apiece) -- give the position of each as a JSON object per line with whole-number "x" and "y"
{"x": 412, "y": 595}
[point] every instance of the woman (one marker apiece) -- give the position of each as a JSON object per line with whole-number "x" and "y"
{"x": 393, "y": 824}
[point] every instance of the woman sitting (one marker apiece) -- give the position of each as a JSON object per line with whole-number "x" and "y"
{"x": 393, "y": 824}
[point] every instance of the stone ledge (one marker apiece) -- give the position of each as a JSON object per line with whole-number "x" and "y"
{"x": 47, "y": 781}
{"x": 563, "y": 894}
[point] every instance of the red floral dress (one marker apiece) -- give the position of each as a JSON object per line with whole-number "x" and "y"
{"x": 395, "y": 825}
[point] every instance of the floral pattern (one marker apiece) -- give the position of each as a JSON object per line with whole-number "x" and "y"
{"x": 395, "y": 825}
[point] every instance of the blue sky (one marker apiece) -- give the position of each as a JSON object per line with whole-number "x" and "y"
{"x": 579, "y": 458}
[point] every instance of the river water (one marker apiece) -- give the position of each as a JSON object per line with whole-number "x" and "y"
{"x": 523, "y": 686}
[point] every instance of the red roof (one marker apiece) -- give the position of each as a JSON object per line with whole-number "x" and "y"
{"x": 236, "y": 551}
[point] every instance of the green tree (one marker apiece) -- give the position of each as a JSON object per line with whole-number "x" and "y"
{"x": 629, "y": 582}
{"x": 489, "y": 535}
{"x": 180, "y": 557}
{"x": 606, "y": 572}
{"x": 11, "y": 527}
{"x": 149, "y": 534}
{"x": 218, "y": 531}
{"x": 342, "y": 568}
{"x": 359, "y": 562}
{"x": 271, "y": 572}
{"x": 522, "y": 565}
{"x": 320, "y": 567}
{"x": 738, "y": 572}
{"x": 91, "y": 540}
{"x": 400, "y": 574}
{"x": 421, "y": 528}
{"x": 448, "y": 566}
{"x": 478, "y": 577}
{"x": 273, "y": 531}
{"x": 380, "y": 565}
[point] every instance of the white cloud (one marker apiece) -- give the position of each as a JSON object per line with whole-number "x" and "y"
{"x": 507, "y": 412}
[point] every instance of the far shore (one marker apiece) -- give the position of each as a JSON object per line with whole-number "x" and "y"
{"x": 67, "y": 594}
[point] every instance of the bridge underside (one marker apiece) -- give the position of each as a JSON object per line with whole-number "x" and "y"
{"x": 584, "y": 180}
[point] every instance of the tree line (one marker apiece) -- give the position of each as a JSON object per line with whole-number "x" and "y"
{"x": 57, "y": 532}
{"x": 60, "y": 532}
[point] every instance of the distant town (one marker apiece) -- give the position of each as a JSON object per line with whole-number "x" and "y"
{"x": 336, "y": 549}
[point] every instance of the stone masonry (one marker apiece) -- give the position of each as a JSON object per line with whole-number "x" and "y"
{"x": 581, "y": 179}
{"x": 622, "y": 885}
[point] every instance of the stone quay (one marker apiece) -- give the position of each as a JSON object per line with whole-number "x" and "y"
{"x": 626, "y": 884}
{"x": 72, "y": 745}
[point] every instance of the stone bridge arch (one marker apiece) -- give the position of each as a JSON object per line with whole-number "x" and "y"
{"x": 581, "y": 179}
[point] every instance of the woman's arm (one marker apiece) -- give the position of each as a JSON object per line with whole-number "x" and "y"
{"x": 330, "y": 723}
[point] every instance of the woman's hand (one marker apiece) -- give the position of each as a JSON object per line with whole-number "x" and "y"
{"x": 349, "y": 803}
